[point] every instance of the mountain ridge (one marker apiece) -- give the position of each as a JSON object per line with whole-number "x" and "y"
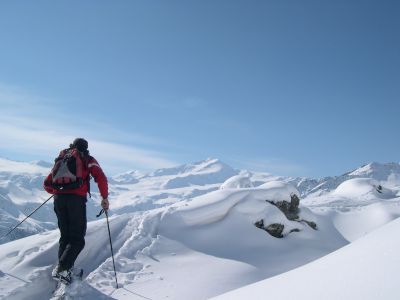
{"x": 239, "y": 227}
{"x": 21, "y": 187}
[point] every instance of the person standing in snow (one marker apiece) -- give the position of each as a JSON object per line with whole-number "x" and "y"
{"x": 69, "y": 182}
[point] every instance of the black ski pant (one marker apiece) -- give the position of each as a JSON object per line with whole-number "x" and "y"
{"x": 71, "y": 214}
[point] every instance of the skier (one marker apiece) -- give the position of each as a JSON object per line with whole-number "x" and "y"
{"x": 69, "y": 182}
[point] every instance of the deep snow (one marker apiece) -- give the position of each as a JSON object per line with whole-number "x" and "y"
{"x": 366, "y": 269}
{"x": 197, "y": 239}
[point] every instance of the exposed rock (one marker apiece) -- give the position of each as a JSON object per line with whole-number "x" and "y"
{"x": 291, "y": 210}
{"x": 274, "y": 229}
{"x": 259, "y": 224}
{"x": 312, "y": 224}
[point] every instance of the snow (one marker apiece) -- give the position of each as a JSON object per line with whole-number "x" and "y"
{"x": 209, "y": 171}
{"x": 196, "y": 235}
{"x": 380, "y": 172}
{"x": 365, "y": 269}
{"x": 9, "y": 166}
{"x": 363, "y": 188}
{"x": 356, "y": 207}
{"x": 189, "y": 233}
{"x": 237, "y": 182}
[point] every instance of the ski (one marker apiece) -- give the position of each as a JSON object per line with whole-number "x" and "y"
{"x": 61, "y": 291}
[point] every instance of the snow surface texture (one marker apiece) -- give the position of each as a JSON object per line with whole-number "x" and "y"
{"x": 366, "y": 269}
{"x": 198, "y": 240}
{"x": 238, "y": 181}
{"x": 21, "y": 192}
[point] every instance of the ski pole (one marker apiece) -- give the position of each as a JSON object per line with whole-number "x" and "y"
{"x": 111, "y": 246}
{"x": 26, "y": 217}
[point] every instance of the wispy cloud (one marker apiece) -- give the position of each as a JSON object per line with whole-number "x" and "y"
{"x": 29, "y": 124}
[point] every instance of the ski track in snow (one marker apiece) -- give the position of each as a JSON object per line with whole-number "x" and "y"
{"x": 144, "y": 232}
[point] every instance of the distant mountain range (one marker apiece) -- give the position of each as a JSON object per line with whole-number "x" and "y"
{"x": 21, "y": 188}
{"x": 387, "y": 173}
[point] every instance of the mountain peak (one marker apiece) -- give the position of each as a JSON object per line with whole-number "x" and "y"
{"x": 11, "y": 166}
{"x": 131, "y": 176}
{"x": 379, "y": 170}
{"x": 42, "y": 163}
{"x": 209, "y": 165}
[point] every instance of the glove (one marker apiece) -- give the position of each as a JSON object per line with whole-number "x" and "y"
{"x": 105, "y": 204}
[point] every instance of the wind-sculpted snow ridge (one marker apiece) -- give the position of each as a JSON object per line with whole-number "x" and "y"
{"x": 357, "y": 206}
{"x": 212, "y": 245}
{"x": 387, "y": 174}
{"x": 242, "y": 180}
{"x": 366, "y": 269}
{"x": 21, "y": 189}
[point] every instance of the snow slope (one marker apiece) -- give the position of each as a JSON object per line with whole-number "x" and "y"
{"x": 366, "y": 269}
{"x": 195, "y": 242}
{"x": 21, "y": 192}
{"x": 356, "y": 207}
{"x": 387, "y": 174}
{"x": 21, "y": 189}
{"x": 189, "y": 232}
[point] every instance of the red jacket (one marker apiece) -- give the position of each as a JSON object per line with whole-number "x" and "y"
{"x": 94, "y": 170}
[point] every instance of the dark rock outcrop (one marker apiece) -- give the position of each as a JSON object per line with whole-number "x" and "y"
{"x": 291, "y": 211}
{"x": 274, "y": 229}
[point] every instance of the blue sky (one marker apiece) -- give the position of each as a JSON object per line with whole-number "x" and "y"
{"x": 302, "y": 88}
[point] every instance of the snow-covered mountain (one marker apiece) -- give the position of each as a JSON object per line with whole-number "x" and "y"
{"x": 21, "y": 191}
{"x": 198, "y": 230}
{"x": 21, "y": 188}
{"x": 193, "y": 241}
{"x": 388, "y": 174}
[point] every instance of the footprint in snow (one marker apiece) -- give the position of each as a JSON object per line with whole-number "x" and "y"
{"x": 30, "y": 251}
{"x": 12, "y": 254}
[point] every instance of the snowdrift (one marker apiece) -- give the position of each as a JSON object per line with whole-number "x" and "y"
{"x": 210, "y": 243}
{"x": 237, "y": 182}
{"x": 357, "y": 206}
{"x": 371, "y": 273}
{"x": 363, "y": 188}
